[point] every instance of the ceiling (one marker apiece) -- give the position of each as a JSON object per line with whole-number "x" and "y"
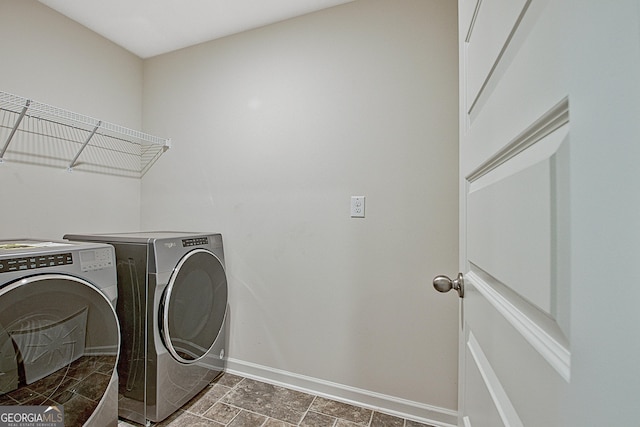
{"x": 151, "y": 27}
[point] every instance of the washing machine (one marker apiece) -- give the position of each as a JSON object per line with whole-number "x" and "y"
{"x": 59, "y": 333}
{"x": 172, "y": 307}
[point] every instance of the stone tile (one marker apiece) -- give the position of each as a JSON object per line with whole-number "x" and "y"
{"x": 94, "y": 386}
{"x": 228, "y": 380}
{"x": 106, "y": 368}
{"x": 409, "y": 423}
{"x": 222, "y": 413}
{"x": 49, "y": 383}
{"x": 314, "y": 419}
{"x": 81, "y": 368}
{"x": 198, "y": 404}
{"x": 103, "y": 364}
{"x": 7, "y": 401}
{"x": 44, "y": 389}
{"x": 247, "y": 419}
{"x": 77, "y": 410}
{"x": 106, "y": 359}
{"x": 345, "y": 423}
{"x": 204, "y": 400}
{"x": 23, "y": 395}
{"x": 272, "y": 422}
{"x": 186, "y": 419}
{"x": 164, "y": 423}
{"x": 384, "y": 420}
{"x": 273, "y": 401}
{"x": 62, "y": 397}
{"x": 341, "y": 410}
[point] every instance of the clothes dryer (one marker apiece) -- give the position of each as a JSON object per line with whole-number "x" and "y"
{"x": 59, "y": 334}
{"x": 172, "y": 309}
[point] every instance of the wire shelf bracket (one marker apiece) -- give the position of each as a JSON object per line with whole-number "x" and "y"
{"x": 14, "y": 129}
{"x": 93, "y": 132}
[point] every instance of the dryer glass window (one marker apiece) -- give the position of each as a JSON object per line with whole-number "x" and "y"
{"x": 194, "y": 306}
{"x": 59, "y": 343}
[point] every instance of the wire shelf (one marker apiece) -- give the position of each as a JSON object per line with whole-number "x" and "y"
{"x": 36, "y": 133}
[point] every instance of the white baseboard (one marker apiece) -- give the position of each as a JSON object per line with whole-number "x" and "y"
{"x": 403, "y": 408}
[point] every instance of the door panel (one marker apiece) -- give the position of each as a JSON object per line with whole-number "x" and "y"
{"x": 482, "y": 386}
{"x": 510, "y": 232}
{"x": 466, "y": 13}
{"x": 516, "y": 379}
{"x": 515, "y": 150}
{"x": 489, "y": 31}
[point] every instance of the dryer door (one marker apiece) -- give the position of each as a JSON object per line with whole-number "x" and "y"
{"x": 59, "y": 342}
{"x": 194, "y": 305}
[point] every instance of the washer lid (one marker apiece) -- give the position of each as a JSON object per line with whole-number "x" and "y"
{"x": 193, "y": 306}
{"x": 29, "y": 244}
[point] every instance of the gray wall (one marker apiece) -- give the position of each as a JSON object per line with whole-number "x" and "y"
{"x": 51, "y": 59}
{"x": 274, "y": 129}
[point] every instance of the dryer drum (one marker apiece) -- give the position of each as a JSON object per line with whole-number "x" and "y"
{"x": 193, "y": 306}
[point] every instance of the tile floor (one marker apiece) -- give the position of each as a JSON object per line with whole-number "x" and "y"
{"x": 235, "y": 401}
{"x": 78, "y": 386}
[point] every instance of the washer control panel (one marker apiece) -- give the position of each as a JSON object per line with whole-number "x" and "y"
{"x": 197, "y": 241}
{"x": 96, "y": 259}
{"x": 32, "y": 263}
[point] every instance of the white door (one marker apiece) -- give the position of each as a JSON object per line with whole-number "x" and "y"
{"x": 541, "y": 223}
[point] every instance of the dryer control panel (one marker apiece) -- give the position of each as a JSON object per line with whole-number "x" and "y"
{"x": 34, "y": 262}
{"x": 197, "y": 241}
{"x": 96, "y": 259}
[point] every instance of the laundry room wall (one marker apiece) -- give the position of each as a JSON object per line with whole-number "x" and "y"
{"x": 273, "y": 130}
{"x": 52, "y": 59}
